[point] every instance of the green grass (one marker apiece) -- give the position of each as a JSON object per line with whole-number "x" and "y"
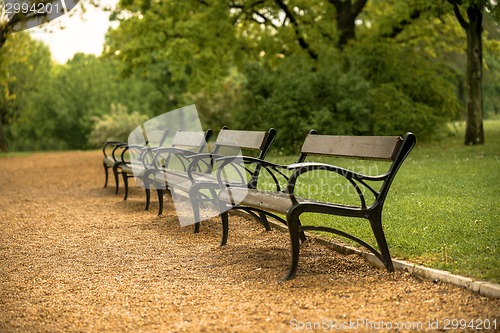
{"x": 444, "y": 211}
{"x": 443, "y": 208}
{"x": 14, "y": 154}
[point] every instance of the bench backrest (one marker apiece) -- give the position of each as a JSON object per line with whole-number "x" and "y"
{"x": 194, "y": 141}
{"x": 394, "y": 149}
{"x": 246, "y": 140}
{"x": 256, "y": 141}
{"x": 363, "y": 147}
{"x": 191, "y": 139}
{"x": 156, "y": 137}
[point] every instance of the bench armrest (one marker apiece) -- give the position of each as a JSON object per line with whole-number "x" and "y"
{"x": 163, "y": 156}
{"x": 354, "y": 178}
{"x": 113, "y": 146}
{"x": 275, "y": 171}
{"x": 201, "y": 163}
{"x": 132, "y": 149}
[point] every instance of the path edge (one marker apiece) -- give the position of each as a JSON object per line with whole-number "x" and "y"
{"x": 483, "y": 288}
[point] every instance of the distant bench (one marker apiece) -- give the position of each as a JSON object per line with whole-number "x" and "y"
{"x": 116, "y": 153}
{"x": 146, "y": 161}
{"x": 283, "y": 199}
{"x": 193, "y": 176}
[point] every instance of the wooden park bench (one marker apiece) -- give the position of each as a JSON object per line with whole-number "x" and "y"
{"x": 198, "y": 182}
{"x": 286, "y": 200}
{"x": 111, "y": 151}
{"x": 149, "y": 161}
{"x": 116, "y": 153}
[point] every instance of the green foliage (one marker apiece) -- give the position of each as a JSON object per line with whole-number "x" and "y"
{"x": 369, "y": 89}
{"x": 192, "y": 39}
{"x": 217, "y": 109}
{"x": 116, "y": 125}
{"x": 251, "y": 64}
{"x": 60, "y": 113}
{"x": 409, "y": 91}
{"x": 297, "y": 97}
{"x": 24, "y": 71}
{"x": 492, "y": 84}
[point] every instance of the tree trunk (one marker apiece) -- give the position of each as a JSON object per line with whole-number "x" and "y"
{"x": 4, "y": 147}
{"x": 474, "y": 133}
{"x": 347, "y": 12}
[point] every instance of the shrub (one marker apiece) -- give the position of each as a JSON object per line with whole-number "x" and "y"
{"x": 116, "y": 125}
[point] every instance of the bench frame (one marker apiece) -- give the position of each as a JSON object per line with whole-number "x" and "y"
{"x": 258, "y": 141}
{"x": 111, "y": 156}
{"x": 184, "y": 143}
{"x": 200, "y": 168}
{"x": 115, "y": 154}
{"x": 284, "y": 201}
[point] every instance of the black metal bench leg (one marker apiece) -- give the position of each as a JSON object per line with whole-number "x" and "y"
{"x": 376, "y": 224}
{"x": 225, "y": 227}
{"x": 196, "y": 214}
{"x": 125, "y": 185}
{"x": 294, "y": 231}
{"x": 106, "y": 174}
{"x": 117, "y": 182}
{"x": 302, "y": 235}
{"x": 160, "y": 201}
{"x": 194, "y": 198}
{"x": 148, "y": 197}
{"x": 265, "y": 222}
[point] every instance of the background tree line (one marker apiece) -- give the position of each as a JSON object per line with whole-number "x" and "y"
{"x": 367, "y": 67}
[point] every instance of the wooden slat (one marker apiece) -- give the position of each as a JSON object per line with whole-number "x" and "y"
{"x": 243, "y": 139}
{"x": 189, "y": 139}
{"x": 276, "y": 202}
{"x": 155, "y": 137}
{"x": 375, "y": 147}
{"x": 109, "y": 161}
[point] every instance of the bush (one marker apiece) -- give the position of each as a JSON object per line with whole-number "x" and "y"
{"x": 374, "y": 89}
{"x": 297, "y": 97}
{"x": 116, "y": 125}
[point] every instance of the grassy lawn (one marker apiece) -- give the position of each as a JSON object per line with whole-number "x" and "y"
{"x": 444, "y": 211}
{"x": 443, "y": 208}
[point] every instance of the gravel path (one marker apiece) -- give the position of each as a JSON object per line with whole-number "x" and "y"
{"x": 74, "y": 257}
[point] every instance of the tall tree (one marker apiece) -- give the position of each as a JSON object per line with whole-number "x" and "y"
{"x": 469, "y": 14}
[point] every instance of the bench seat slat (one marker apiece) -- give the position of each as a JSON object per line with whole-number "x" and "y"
{"x": 276, "y": 202}
{"x": 180, "y": 180}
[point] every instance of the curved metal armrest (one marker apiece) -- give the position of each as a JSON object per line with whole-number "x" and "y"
{"x": 351, "y": 176}
{"x": 114, "y": 145}
{"x": 201, "y": 162}
{"x": 272, "y": 169}
{"x": 200, "y": 156}
{"x": 167, "y": 152}
{"x": 252, "y": 160}
{"x": 126, "y": 147}
{"x": 301, "y": 168}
